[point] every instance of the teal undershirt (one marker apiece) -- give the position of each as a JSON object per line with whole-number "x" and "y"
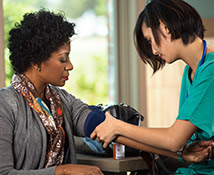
{"x": 198, "y": 108}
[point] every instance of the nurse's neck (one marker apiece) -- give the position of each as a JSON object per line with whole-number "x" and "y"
{"x": 192, "y": 54}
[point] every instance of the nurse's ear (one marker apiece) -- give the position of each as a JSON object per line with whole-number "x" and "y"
{"x": 164, "y": 29}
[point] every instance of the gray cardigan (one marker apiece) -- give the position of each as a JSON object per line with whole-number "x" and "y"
{"x": 23, "y": 138}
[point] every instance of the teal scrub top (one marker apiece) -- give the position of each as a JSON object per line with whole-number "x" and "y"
{"x": 197, "y": 105}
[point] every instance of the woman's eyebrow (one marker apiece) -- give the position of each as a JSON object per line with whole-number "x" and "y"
{"x": 64, "y": 53}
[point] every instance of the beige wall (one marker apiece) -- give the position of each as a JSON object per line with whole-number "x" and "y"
{"x": 2, "y": 68}
{"x": 163, "y": 90}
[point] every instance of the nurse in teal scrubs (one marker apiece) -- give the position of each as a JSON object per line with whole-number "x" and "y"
{"x": 167, "y": 31}
{"x": 197, "y": 106}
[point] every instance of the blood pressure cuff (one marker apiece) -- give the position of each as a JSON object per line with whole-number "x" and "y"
{"x": 122, "y": 112}
{"x": 93, "y": 120}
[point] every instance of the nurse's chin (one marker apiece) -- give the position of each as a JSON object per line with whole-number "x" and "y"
{"x": 172, "y": 61}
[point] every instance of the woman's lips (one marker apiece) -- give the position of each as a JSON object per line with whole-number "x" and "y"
{"x": 66, "y": 78}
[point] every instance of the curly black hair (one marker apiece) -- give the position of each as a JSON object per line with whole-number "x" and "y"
{"x": 38, "y": 35}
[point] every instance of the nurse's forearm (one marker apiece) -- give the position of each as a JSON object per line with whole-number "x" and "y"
{"x": 137, "y": 145}
{"x": 172, "y": 138}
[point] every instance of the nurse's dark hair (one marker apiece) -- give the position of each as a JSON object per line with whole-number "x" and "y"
{"x": 40, "y": 33}
{"x": 181, "y": 19}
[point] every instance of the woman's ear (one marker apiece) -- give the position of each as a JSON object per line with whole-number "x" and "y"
{"x": 36, "y": 66}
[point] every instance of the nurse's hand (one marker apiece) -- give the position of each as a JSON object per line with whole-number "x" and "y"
{"x": 198, "y": 151}
{"x": 106, "y": 131}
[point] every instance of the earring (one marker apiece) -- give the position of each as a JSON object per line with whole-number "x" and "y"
{"x": 39, "y": 69}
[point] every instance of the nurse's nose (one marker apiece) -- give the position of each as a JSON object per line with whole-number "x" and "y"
{"x": 154, "y": 51}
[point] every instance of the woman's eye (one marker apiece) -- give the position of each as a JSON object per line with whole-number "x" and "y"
{"x": 150, "y": 40}
{"x": 63, "y": 60}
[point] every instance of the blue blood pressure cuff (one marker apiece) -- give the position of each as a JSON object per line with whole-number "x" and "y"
{"x": 94, "y": 118}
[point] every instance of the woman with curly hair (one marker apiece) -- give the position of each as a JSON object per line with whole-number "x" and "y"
{"x": 38, "y": 120}
{"x": 167, "y": 31}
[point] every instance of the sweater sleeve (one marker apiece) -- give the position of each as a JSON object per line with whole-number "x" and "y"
{"x": 75, "y": 111}
{"x": 45, "y": 171}
{"x": 84, "y": 118}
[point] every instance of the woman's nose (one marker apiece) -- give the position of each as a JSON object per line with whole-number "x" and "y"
{"x": 154, "y": 51}
{"x": 69, "y": 66}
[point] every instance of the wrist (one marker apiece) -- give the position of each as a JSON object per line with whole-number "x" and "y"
{"x": 180, "y": 157}
{"x": 119, "y": 127}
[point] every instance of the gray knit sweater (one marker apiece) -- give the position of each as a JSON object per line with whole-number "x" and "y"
{"x": 23, "y": 138}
